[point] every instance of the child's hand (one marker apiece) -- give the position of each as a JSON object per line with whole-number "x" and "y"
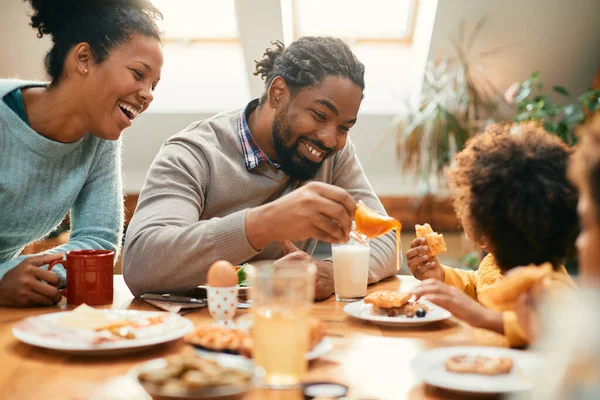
{"x": 421, "y": 264}
{"x": 459, "y": 304}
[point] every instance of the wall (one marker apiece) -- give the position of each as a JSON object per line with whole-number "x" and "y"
{"x": 21, "y": 52}
{"x": 561, "y": 38}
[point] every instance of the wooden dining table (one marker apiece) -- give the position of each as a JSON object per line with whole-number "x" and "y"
{"x": 372, "y": 360}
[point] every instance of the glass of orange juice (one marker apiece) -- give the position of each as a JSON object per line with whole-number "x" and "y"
{"x": 282, "y": 293}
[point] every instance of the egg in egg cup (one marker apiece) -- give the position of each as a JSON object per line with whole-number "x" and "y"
{"x": 222, "y": 292}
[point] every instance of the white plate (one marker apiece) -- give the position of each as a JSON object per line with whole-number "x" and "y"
{"x": 220, "y": 392}
{"x": 44, "y": 331}
{"x": 364, "y": 311}
{"x": 429, "y": 367}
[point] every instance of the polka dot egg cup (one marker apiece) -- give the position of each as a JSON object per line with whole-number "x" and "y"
{"x": 222, "y": 303}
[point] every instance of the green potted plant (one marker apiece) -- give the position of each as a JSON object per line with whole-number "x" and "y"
{"x": 533, "y": 104}
{"x": 457, "y": 101}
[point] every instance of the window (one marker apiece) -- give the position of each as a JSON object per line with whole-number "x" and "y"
{"x": 198, "y": 20}
{"x": 204, "y": 68}
{"x": 380, "y": 32}
{"x": 356, "y": 21}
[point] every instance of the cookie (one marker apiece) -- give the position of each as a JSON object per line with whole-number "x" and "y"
{"x": 482, "y": 365}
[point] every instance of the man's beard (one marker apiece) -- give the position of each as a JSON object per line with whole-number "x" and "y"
{"x": 291, "y": 161}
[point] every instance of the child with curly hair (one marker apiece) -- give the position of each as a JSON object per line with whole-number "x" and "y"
{"x": 514, "y": 200}
{"x": 566, "y": 330}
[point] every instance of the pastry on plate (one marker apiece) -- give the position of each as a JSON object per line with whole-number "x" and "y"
{"x": 218, "y": 338}
{"x": 393, "y": 303}
{"x": 482, "y": 365}
{"x": 238, "y": 341}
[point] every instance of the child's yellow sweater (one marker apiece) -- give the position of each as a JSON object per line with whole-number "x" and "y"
{"x": 474, "y": 283}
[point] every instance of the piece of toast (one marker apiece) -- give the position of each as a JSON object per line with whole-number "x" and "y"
{"x": 435, "y": 241}
{"x": 388, "y": 298}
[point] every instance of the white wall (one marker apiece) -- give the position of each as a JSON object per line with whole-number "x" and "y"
{"x": 559, "y": 37}
{"x": 21, "y": 52}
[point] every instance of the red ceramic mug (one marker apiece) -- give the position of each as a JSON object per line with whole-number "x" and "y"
{"x": 89, "y": 276}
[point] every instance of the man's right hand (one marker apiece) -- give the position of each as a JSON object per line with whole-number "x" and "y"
{"x": 314, "y": 211}
{"x": 22, "y": 286}
{"x": 422, "y": 265}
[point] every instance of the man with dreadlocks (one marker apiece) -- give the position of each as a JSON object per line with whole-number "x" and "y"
{"x": 260, "y": 183}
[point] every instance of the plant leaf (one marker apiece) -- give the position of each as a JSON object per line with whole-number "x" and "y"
{"x": 573, "y": 114}
{"x": 561, "y": 90}
{"x": 590, "y": 94}
{"x": 522, "y": 94}
{"x": 475, "y": 32}
{"x": 524, "y": 116}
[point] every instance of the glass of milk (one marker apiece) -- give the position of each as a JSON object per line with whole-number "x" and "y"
{"x": 351, "y": 269}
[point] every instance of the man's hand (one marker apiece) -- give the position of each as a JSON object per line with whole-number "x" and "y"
{"x": 421, "y": 264}
{"x": 22, "y": 286}
{"x": 460, "y": 305}
{"x": 324, "y": 276}
{"x": 314, "y": 211}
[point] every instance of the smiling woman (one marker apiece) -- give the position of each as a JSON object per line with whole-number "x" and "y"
{"x": 60, "y": 139}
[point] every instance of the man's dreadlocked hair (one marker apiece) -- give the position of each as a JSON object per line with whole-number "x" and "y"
{"x": 307, "y": 62}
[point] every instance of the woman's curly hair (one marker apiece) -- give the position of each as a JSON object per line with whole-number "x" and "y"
{"x": 510, "y": 185}
{"x": 103, "y": 24}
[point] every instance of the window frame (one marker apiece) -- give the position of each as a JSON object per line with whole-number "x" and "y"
{"x": 405, "y": 41}
{"x": 192, "y": 40}
{"x": 197, "y": 39}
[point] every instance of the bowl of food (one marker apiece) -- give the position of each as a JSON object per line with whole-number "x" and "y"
{"x": 189, "y": 376}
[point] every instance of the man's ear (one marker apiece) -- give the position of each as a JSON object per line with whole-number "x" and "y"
{"x": 278, "y": 92}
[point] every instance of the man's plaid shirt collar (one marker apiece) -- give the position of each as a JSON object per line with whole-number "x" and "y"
{"x": 253, "y": 154}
